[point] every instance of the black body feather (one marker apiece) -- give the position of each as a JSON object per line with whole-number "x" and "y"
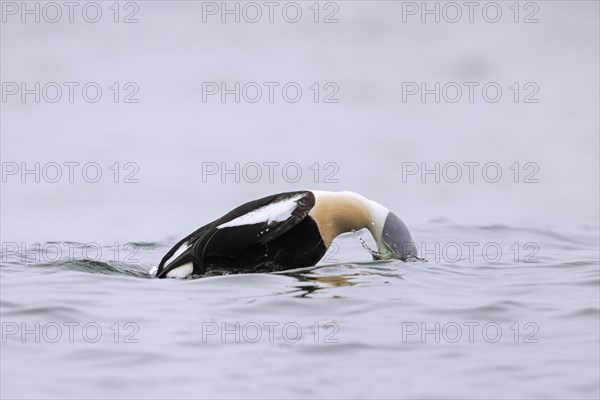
{"x": 278, "y": 245}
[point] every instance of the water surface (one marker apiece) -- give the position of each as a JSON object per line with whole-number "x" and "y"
{"x": 438, "y": 328}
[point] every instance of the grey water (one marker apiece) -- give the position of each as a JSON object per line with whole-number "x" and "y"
{"x": 506, "y": 304}
{"x": 475, "y": 325}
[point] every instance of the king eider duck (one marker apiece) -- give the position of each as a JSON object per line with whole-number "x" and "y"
{"x": 285, "y": 231}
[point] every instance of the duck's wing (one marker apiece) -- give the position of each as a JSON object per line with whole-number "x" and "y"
{"x": 258, "y": 221}
{"x": 257, "y": 224}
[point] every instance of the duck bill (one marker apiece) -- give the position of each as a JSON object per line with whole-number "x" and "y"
{"x": 397, "y": 240}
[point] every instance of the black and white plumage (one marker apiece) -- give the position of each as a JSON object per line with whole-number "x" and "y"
{"x": 285, "y": 231}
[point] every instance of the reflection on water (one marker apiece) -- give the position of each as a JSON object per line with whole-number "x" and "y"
{"x": 346, "y": 274}
{"x": 313, "y": 281}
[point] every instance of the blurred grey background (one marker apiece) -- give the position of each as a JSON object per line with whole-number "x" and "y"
{"x": 369, "y": 55}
